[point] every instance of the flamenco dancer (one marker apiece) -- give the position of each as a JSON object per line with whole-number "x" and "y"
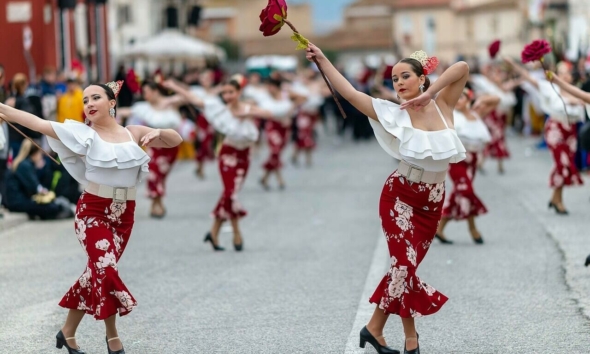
{"x": 277, "y": 130}
{"x": 418, "y": 132}
{"x": 159, "y": 112}
{"x": 205, "y": 132}
{"x": 573, "y": 91}
{"x": 234, "y": 119}
{"x": 108, "y": 160}
{"x": 495, "y": 81}
{"x": 310, "y": 90}
{"x": 560, "y": 129}
{"x": 463, "y": 203}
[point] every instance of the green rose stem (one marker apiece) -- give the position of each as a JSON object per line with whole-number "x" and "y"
{"x": 31, "y": 140}
{"x": 321, "y": 71}
{"x": 550, "y": 77}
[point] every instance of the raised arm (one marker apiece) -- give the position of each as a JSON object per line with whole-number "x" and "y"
{"x": 450, "y": 85}
{"x": 522, "y": 72}
{"x": 359, "y": 100}
{"x": 28, "y": 120}
{"x": 569, "y": 88}
{"x": 449, "y": 88}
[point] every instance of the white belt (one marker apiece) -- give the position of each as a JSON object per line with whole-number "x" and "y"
{"x": 417, "y": 174}
{"x": 118, "y": 194}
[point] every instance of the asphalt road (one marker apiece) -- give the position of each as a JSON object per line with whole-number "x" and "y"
{"x": 312, "y": 254}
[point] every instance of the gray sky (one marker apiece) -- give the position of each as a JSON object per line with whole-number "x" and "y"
{"x": 327, "y": 13}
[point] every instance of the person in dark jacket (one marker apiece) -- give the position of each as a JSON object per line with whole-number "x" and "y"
{"x": 23, "y": 189}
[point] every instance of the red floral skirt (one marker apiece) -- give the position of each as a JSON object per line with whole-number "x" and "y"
{"x": 233, "y": 166}
{"x": 562, "y": 140}
{"x": 205, "y": 140}
{"x": 462, "y": 203}
{"x": 103, "y": 228}
{"x": 410, "y": 213}
{"x": 277, "y": 136}
{"x": 162, "y": 160}
{"x": 305, "y": 130}
{"x": 496, "y": 123}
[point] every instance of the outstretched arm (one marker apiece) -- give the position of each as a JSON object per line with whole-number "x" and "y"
{"x": 28, "y": 120}
{"x": 159, "y": 138}
{"x": 569, "y": 88}
{"x": 183, "y": 92}
{"x": 359, "y": 100}
{"x": 484, "y": 105}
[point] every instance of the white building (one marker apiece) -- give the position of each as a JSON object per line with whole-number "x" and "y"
{"x": 132, "y": 20}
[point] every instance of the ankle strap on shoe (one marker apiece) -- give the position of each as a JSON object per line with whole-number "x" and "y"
{"x": 70, "y": 338}
{"x": 108, "y": 340}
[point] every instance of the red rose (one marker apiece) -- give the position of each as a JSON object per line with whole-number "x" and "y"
{"x": 273, "y": 17}
{"x": 494, "y": 48}
{"x": 535, "y": 50}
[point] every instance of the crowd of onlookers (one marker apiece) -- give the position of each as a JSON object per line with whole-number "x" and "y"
{"x": 29, "y": 182}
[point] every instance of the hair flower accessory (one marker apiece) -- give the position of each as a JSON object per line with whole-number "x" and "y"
{"x": 115, "y": 86}
{"x": 429, "y": 64}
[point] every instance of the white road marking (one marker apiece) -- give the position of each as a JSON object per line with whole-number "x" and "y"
{"x": 365, "y": 309}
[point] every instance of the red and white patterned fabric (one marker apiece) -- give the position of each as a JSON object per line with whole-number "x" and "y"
{"x": 103, "y": 228}
{"x": 162, "y": 160}
{"x": 305, "y": 130}
{"x": 463, "y": 203}
{"x": 410, "y": 213}
{"x": 277, "y": 138}
{"x": 233, "y": 166}
{"x": 205, "y": 140}
{"x": 496, "y": 123}
{"x": 562, "y": 141}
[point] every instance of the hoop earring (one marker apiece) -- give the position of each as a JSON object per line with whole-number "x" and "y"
{"x": 421, "y": 88}
{"x": 112, "y": 112}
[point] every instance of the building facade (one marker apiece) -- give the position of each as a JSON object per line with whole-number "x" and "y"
{"x": 54, "y": 34}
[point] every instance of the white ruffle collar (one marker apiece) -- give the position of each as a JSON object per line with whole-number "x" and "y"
{"x": 79, "y": 145}
{"x": 143, "y": 113}
{"x": 400, "y": 139}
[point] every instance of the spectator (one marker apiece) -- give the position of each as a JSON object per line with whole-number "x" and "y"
{"x": 71, "y": 104}
{"x": 48, "y": 92}
{"x": 21, "y": 101}
{"x": 24, "y": 192}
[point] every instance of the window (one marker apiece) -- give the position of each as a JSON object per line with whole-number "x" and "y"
{"x": 124, "y": 14}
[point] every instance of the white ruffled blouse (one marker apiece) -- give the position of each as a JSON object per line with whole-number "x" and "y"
{"x": 240, "y": 133}
{"x": 143, "y": 113}
{"x": 552, "y": 105}
{"x": 88, "y": 158}
{"x": 474, "y": 134}
{"x": 432, "y": 150}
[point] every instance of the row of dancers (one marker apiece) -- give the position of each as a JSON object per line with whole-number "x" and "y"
{"x": 436, "y": 129}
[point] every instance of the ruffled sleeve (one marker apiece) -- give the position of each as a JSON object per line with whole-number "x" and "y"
{"x": 397, "y": 136}
{"x": 78, "y": 145}
{"x": 143, "y": 113}
{"x": 221, "y": 118}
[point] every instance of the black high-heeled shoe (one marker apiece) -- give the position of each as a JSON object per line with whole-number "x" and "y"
{"x": 559, "y": 212}
{"x": 239, "y": 247}
{"x": 587, "y": 261}
{"x": 121, "y": 351}
{"x": 366, "y": 336}
{"x": 443, "y": 240}
{"x": 208, "y": 238}
{"x": 62, "y": 341}
{"x": 413, "y": 351}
